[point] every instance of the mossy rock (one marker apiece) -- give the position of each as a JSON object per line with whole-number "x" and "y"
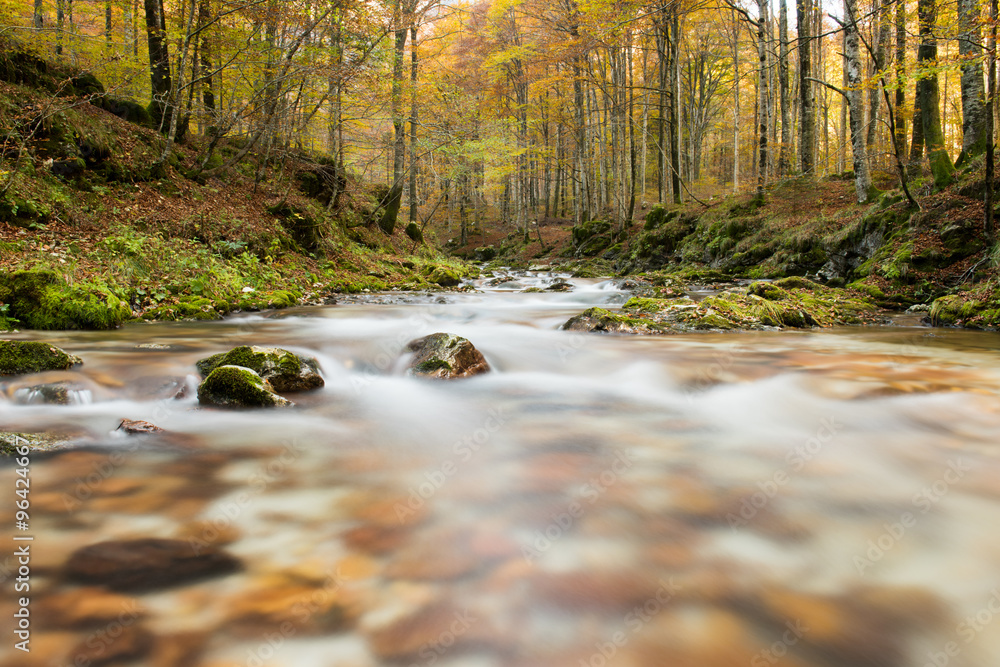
{"x": 125, "y": 108}
{"x": 445, "y": 356}
{"x": 21, "y": 357}
{"x": 766, "y": 290}
{"x": 444, "y": 276}
{"x": 713, "y": 321}
{"x": 43, "y": 300}
{"x": 11, "y": 441}
{"x": 238, "y": 387}
{"x": 414, "y": 233}
{"x": 599, "y": 320}
{"x": 284, "y": 370}
{"x": 586, "y": 230}
{"x": 644, "y": 304}
{"x": 955, "y": 310}
{"x": 798, "y": 282}
{"x": 271, "y": 300}
{"x": 485, "y": 253}
{"x": 186, "y": 308}
{"x": 658, "y": 215}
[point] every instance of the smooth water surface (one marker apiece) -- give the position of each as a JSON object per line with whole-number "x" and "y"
{"x": 825, "y": 498}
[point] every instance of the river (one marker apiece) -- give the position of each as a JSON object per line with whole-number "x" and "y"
{"x": 811, "y": 498}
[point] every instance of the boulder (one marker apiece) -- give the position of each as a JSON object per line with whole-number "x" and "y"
{"x": 21, "y": 357}
{"x": 147, "y": 563}
{"x": 445, "y": 356}
{"x": 238, "y": 387}
{"x": 53, "y": 393}
{"x": 284, "y": 370}
{"x": 444, "y": 276}
{"x": 600, "y": 320}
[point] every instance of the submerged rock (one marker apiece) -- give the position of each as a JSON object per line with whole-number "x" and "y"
{"x": 20, "y": 357}
{"x": 147, "y": 563}
{"x": 10, "y": 441}
{"x": 445, "y": 356}
{"x": 54, "y": 393}
{"x": 238, "y": 387}
{"x": 284, "y": 370}
{"x": 137, "y": 427}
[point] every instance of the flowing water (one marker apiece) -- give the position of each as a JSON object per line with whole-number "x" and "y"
{"x": 825, "y": 498}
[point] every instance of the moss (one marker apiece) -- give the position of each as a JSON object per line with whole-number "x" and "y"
{"x": 713, "y": 321}
{"x": 769, "y": 291}
{"x": 42, "y": 300}
{"x": 432, "y": 365}
{"x": 185, "y": 308}
{"x": 238, "y": 387}
{"x": 444, "y": 276}
{"x": 20, "y": 357}
{"x": 798, "y": 282}
{"x": 11, "y": 441}
{"x": 644, "y": 304}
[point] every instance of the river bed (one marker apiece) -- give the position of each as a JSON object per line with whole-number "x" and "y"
{"x": 811, "y": 498}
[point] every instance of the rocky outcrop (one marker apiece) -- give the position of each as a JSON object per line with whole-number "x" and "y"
{"x": 238, "y": 387}
{"x": 787, "y": 303}
{"x": 285, "y": 371}
{"x": 146, "y": 564}
{"x": 445, "y": 356}
{"x": 22, "y": 357}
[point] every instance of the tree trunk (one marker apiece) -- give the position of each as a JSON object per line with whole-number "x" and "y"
{"x": 900, "y": 101}
{"x": 930, "y": 111}
{"x": 413, "y": 122}
{"x": 393, "y": 199}
{"x": 991, "y": 82}
{"x": 784, "y": 166}
{"x": 38, "y": 18}
{"x": 862, "y": 181}
{"x": 973, "y": 99}
{"x": 60, "y": 20}
{"x": 807, "y": 100}
{"x": 877, "y": 63}
{"x": 762, "y": 78}
{"x": 675, "y": 135}
{"x": 159, "y": 64}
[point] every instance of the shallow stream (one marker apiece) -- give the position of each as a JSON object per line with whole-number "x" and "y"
{"x": 823, "y": 498}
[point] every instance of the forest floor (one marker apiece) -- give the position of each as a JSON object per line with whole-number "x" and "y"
{"x": 91, "y": 236}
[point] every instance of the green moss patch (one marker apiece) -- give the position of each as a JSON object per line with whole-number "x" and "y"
{"x": 21, "y": 357}
{"x": 238, "y": 387}
{"x": 43, "y": 300}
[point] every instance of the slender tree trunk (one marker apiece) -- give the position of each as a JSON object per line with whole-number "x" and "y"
{"x": 736, "y": 108}
{"x": 675, "y": 95}
{"x": 414, "y": 64}
{"x": 60, "y": 24}
{"x": 991, "y": 82}
{"x": 900, "y": 101}
{"x": 807, "y": 99}
{"x": 877, "y": 63}
{"x": 205, "y": 67}
{"x": 970, "y": 50}
{"x": 392, "y": 201}
{"x": 38, "y": 16}
{"x": 862, "y": 181}
{"x": 107, "y": 24}
{"x": 762, "y": 95}
{"x": 930, "y": 111}
{"x": 784, "y": 166}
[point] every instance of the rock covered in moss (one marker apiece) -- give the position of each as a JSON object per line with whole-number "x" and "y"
{"x": 43, "y": 300}
{"x": 285, "y": 371}
{"x": 790, "y": 303}
{"x": 599, "y": 320}
{"x": 11, "y": 441}
{"x": 22, "y": 357}
{"x": 445, "y": 356}
{"x": 238, "y": 387}
{"x": 444, "y": 276}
